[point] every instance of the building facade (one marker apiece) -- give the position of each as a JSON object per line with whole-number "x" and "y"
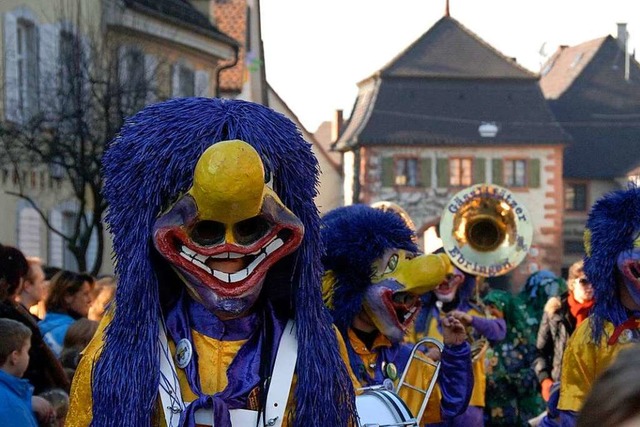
{"x": 593, "y": 89}
{"x": 148, "y": 50}
{"x": 448, "y": 112}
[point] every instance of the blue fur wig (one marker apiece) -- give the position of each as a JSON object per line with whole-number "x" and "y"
{"x": 354, "y": 237}
{"x": 146, "y": 168}
{"x": 612, "y": 226}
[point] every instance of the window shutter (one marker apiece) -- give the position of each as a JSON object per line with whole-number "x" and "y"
{"x": 388, "y": 174}
{"x": 92, "y": 248}
{"x": 175, "y": 80}
{"x": 11, "y": 87}
{"x": 425, "y": 173}
{"x": 202, "y": 83}
{"x": 533, "y": 166}
{"x": 56, "y": 244}
{"x": 122, "y": 66}
{"x": 497, "y": 174}
{"x": 49, "y": 61}
{"x": 150, "y": 75}
{"x": 442, "y": 172}
{"x": 479, "y": 170}
{"x": 29, "y": 231}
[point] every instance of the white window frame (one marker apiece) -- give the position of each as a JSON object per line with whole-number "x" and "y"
{"x": 513, "y": 175}
{"x": 21, "y": 64}
{"x": 406, "y": 173}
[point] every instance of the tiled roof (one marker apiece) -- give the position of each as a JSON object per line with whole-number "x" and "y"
{"x": 599, "y": 108}
{"x": 442, "y": 88}
{"x": 565, "y": 65}
{"x": 450, "y": 50}
{"x": 181, "y": 12}
{"x": 231, "y": 17}
{"x": 436, "y": 112}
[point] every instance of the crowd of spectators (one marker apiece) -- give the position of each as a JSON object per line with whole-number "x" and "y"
{"x": 48, "y": 316}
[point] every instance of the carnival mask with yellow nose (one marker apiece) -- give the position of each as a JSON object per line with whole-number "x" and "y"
{"x": 223, "y": 235}
{"x": 399, "y": 278}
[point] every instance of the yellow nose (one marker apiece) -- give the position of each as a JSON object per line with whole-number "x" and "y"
{"x": 426, "y": 272}
{"x": 228, "y": 182}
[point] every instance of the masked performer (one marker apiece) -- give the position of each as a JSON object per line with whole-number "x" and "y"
{"x": 453, "y": 298}
{"x": 512, "y": 396}
{"x": 612, "y": 265}
{"x": 372, "y": 284}
{"x": 217, "y": 244}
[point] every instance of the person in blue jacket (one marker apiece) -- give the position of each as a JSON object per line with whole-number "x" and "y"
{"x": 69, "y": 300}
{"x": 15, "y": 392}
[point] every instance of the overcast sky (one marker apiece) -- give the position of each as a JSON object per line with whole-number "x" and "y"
{"x": 316, "y": 51}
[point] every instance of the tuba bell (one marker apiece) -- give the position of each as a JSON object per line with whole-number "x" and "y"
{"x": 486, "y": 232}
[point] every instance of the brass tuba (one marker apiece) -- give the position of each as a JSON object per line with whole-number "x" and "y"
{"x": 486, "y": 232}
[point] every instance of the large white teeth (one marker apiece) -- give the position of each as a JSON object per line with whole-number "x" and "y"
{"x": 192, "y": 256}
{"x": 260, "y": 255}
{"x": 275, "y": 244}
{"x": 409, "y": 314}
{"x": 227, "y": 255}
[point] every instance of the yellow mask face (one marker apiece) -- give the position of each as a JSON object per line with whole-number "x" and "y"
{"x": 224, "y": 234}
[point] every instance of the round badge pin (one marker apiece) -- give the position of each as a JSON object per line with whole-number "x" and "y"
{"x": 391, "y": 371}
{"x": 184, "y": 352}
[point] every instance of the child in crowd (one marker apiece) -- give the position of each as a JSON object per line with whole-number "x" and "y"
{"x": 75, "y": 340}
{"x": 15, "y": 392}
{"x": 59, "y": 400}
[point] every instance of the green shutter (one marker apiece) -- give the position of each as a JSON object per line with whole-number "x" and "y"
{"x": 425, "y": 173}
{"x": 497, "y": 172}
{"x": 442, "y": 172}
{"x": 388, "y": 173}
{"x": 479, "y": 172}
{"x": 533, "y": 166}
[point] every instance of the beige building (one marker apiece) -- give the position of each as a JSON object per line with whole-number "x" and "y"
{"x": 448, "y": 112}
{"x": 157, "y": 48}
{"x": 153, "y": 50}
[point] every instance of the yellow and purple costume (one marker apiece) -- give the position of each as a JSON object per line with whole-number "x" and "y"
{"x": 429, "y": 324}
{"x": 611, "y": 263}
{"x": 373, "y": 271}
{"x": 216, "y": 240}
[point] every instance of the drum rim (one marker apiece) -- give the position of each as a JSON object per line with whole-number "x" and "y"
{"x": 393, "y": 401}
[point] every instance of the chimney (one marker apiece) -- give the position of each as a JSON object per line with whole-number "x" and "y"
{"x": 623, "y": 42}
{"x": 336, "y": 125}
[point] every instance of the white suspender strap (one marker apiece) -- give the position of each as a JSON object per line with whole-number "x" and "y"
{"x": 282, "y": 376}
{"x": 277, "y": 397}
{"x": 170, "y": 395}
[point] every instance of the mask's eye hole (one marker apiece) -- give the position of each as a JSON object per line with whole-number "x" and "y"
{"x": 392, "y": 264}
{"x": 251, "y": 230}
{"x": 206, "y": 233}
{"x": 268, "y": 178}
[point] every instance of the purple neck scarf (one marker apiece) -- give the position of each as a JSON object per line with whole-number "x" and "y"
{"x": 243, "y": 374}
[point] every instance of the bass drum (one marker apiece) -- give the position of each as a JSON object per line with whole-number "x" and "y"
{"x": 383, "y": 408}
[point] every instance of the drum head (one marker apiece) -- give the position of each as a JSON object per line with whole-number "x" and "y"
{"x": 381, "y": 407}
